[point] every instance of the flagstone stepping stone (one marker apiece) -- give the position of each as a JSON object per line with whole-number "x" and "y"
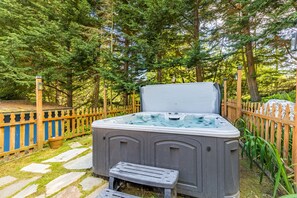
{"x": 6, "y": 180}
{"x": 90, "y": 182}
{"x": 91, "y": 147}
{"x": 97, "y": 191}
{"x": 62, "y": 181}
{"x": 66, "y": 156}
{"x": 37, "y": 168}
{"x": 69, "y": 192}
{"x": 84, "y": 162}
{"x": 27, "y": 191}
{"x": 15, "y": 187}
{"x": 75, "y": 145}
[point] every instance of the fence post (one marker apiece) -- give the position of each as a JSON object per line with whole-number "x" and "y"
{"x": 110, "y": 98}
{"x": 294, "y": 139}
{"x": 238, "y": 93}
{"x": 104, "y": 102}
{"x": 39, "y": 112}
{"x": 225, "y": 98}
{"x": 133, "y": 102}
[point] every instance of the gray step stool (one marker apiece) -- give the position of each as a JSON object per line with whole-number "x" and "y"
{"x": 145, "y": 175}
{"x": 108, "y": 193}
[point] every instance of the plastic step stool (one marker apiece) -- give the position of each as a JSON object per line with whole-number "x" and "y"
{"x": 145, "y": 175}
{"x": 108, "y": 193}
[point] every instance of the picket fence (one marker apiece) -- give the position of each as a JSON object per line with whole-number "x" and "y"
{"x": 18, "y": 131}
{"x": 274, "y": 123}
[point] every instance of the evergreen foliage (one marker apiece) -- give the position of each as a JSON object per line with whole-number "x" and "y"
{"x": 81, "y": 46}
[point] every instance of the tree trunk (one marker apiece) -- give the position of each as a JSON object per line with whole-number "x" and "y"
{"x": 126, "y": 99}
{"x": 159, "y": 76}
{"x": 69, "y": 90}
{"x": 199, "y": 70}
{"x": 199, "y": 74}
{"x": 159, "y": 70}
{"x": 57, "y": 93}
{"x": 251, "y": 71}
{"x": 96, "y": 97}
{"x": 243, "y": 61}
{"x": 126, "y": 70}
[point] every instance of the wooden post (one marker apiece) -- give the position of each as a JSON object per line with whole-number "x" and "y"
{"x": 104, "y": 102}
{"x": 110, "y": 98}
{"x": 133, "y": 102}
{"x": 238, "y": 94}
{"x": 225, "y": 98}
{"x": 294, "y": 139}
{"x": 1, "y": 133}
{"x": 39, "y": 113}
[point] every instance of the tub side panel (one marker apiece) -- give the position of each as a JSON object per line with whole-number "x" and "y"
{"x": 231, "y": 149}
{"x": 209, "y": 168}
{"x": 126, "y": 146}
{"x": 115, "y": 145}
{"x": 99, "y": 150}
{"x": 228, "y": 167}
{"x": 193, "y": 156}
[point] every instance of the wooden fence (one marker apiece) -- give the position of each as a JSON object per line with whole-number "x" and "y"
{"x": 18, "y": 131}
{"x": 274, "y": 123}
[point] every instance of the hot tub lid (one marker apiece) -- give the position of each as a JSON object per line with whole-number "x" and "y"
{"x": 202, "y": 97}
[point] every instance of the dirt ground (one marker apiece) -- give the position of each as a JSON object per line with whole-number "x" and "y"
{"x": 22, "y": 105}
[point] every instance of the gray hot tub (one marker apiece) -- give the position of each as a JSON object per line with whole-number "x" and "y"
{"x": 202, "y": 146}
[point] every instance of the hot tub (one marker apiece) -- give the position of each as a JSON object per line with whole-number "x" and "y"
{"x": 202, "y": 146}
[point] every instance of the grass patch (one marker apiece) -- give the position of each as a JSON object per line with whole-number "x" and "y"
{"x": 13, "y": 168}
{"x": 250, "y": 185}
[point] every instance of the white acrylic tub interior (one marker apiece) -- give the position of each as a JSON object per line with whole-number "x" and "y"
{"x": 211, "y": 125}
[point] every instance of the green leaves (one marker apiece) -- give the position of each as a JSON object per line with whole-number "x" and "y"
{"x": 257, "y": 148}
{"x": 129, "y": 42}
{"x": 53, "y": 39}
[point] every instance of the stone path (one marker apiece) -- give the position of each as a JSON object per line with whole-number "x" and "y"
{"x": 69, "y": 192}
{"x": 66, "y": 185}
{"x": 27, "y": 191}
{"x": 97, "y": 191}
{"x": 84, "y": 162}
{"x": 37, "y": 168}
{"x": 15, "y": 187}
{"x": 90, "y": 182}
{"x": 75, "y": 145}
{"x": 6, "y": 180}
{"x": 66, "y": 156}
{"x": 61, "y": 182}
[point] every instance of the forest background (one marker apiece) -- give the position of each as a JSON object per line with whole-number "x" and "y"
{"x": 80, "y": 46}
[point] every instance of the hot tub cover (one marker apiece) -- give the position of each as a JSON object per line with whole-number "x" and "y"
{"x": 201, "y": 97}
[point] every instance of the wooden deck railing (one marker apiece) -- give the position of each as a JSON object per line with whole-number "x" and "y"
{"x": 18, "y": 131}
